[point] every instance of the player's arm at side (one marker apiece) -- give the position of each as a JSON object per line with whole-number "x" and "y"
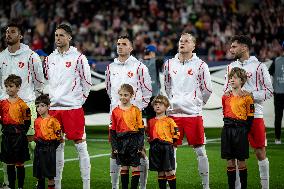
{"x": 175, "y": 131}
{"x": 167, "y": 78}
{"x": 145, "y": 83}
{"x": 26, "y": 115}
{"x": 265, "y": 86}
{"x": 113, "y": 135}
{"x": 205, "y": 83}
{"x": 250, "y": 111}
{"x": 141, "y": 128}
{"x": 107, "y": 81}
{"x": 57, "y": 131}
{"x": 85, "y": 73}
{"x": 37, "y": 73}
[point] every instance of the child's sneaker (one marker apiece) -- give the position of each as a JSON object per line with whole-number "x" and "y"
{"x": 277, "y": 141}
{"x": 4, "y": 186}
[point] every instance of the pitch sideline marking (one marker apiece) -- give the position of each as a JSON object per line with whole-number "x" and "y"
{"x": 103, "y": 155}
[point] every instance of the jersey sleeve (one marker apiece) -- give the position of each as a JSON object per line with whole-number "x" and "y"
{"x": 57, "y": 128}
{"x": 145, "y": 84}
{"x": 26, "y": 112}
{"x": 85, "y": 76}
{"x": 226, "y": 86}
{"x": 167, "y": 78}
{"x": 174, "y": 129}
{"x": 108, "y": 81}
{"x": 139, "y": 118}
{"x": 264, "y": 90}
{"x": 37, "y": 73}
{"x": 205, "y": 83}
{"x": 250, "y": 106}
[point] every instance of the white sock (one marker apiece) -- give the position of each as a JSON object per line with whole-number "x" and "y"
{"x": 114, "y": 173}
{"x": 238, "y": 181}
{"x": 203, "y": 166}
{"x": 59, "y": 165}
{"x": 5, "y": 175}
{"x": 175, "y": 155}
{"x": 85, "y": 165}
{"x": 144, "y": 172}
{"x": 264, "y": 173}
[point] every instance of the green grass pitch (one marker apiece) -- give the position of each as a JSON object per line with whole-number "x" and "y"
{"x": 187, "y": 174}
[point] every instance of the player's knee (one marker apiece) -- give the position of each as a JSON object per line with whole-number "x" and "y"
{"x": 200, "y": 151}
{"x": 260, "y": 153}
{"x": 231, "y": 163}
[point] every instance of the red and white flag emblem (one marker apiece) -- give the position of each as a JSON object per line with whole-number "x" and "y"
{"x": 67, "y": 64}
{"x": 130, "y": 74}
{"x": 190, "y": 72}
{"x": 21, "y": 64}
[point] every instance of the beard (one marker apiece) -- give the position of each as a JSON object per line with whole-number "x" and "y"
{"x": 11, "y": 42}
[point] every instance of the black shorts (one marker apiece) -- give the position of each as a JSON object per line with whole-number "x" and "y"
{"x": 14, "y": 145}
{"x": 128, "y": 151}
{"x": 44, "y": 165}
{"x": 234, "y": 142}
{"x": 161, "y": 156}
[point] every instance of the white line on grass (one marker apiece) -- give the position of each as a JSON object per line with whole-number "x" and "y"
{"x": 213, "y": 140}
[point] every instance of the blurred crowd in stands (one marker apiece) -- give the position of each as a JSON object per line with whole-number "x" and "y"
{"x": 97, "y": 24}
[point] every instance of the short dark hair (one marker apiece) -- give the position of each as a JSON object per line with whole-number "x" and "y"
{"x": 43, "y": 98}
{"x": 14, "y": 23}
{"x": 242, "y": 39}
{"x": 161, "y": 99}
{"x": 241, "y": 73}
{"x": 17, "y": 80}
{"x": 65, "y": 27}
{"x": 125, "y": 36}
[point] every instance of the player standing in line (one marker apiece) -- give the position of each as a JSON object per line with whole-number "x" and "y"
{"x": 127, "y": 69}
{"x": 20, "y": 60}
{"x": 127, "y": 136}
{"x": 276, "y": 70}
{"x": 162, "y": 132}
{"x": 15, "y": 116}
{"x": 69, "y": 78}
{"x": 188, "y": 86}
{"x": 259, "y": 84}
{"x": 47, "y": 138}
{"x": 238, "y": 110}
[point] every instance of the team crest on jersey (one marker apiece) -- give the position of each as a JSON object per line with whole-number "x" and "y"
{"x": 21, "y": 64}
{"x": 67, "y": 64}
{"x": 130, "y": 74}
{"x": 249, "y": 74}
{"x": 190, "y": 72}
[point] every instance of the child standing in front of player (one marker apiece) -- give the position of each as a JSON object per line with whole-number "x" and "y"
{"x": 15, "y": 118}
{"x": 47, "y": 137}
{"x": 127, "y": 136}
{"x": 162, "y": 132}
{"x": 238, "y": 111}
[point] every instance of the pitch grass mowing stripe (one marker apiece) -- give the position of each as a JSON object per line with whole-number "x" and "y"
{"x": 213, "y": 141}
{"x": 108, "y": 154}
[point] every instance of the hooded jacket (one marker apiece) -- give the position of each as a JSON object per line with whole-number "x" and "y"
{"x": 258, "y": 82}
{"x": 131, "y": 72}
{"x": 69, "y": 79}
{"x": 26, "y": 64}
{"x": 188, "y": 86}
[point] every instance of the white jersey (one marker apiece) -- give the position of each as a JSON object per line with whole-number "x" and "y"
{"x": 131, "y": 72}
{"x": 188, "y": 86}
{"x": 258, "y": 82}
{"x": 69, "y": 79}
{"x": 26, "y": 64}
